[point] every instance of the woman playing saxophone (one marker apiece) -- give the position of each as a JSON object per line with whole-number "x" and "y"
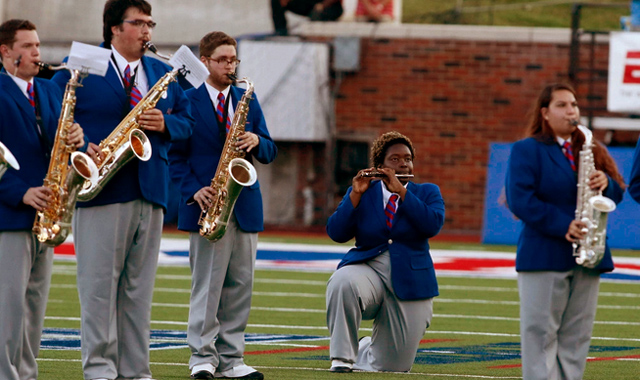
{"x": 558, "y": 297}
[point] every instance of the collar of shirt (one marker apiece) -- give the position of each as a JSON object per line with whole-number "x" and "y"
{"x": 141, "y": 78}
{"x": 386, "y": 194}
{"x": 21, "y": 83}
{"x": 561, "y": 141}
{"x": 213, "y": 94}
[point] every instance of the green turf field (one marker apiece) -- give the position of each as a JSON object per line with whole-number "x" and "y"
{"x": 474, "y": 332}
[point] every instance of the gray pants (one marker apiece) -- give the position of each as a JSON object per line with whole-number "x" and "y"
{"x": 25, "y": 277}
{"x": 222, "y": 281}
{"x": 557, "y": 310}
{"x": 117, "y": 250}
{"x": 364, "y": 291}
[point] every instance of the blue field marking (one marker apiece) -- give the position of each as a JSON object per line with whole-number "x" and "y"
{"x": 487, "y": 352}
{"x": 69, "y": 339}
{"x": 284, "y": 255}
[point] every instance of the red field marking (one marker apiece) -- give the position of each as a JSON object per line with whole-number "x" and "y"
{"x": 65, "y": 249}
{"x": 320, "y": 348}
{"x": 469, "y": 264}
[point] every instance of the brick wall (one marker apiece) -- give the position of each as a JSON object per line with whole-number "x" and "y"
{"x": 453, "y": 91}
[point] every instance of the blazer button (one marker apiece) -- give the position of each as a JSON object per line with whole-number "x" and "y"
{"x": 390, "y": 241}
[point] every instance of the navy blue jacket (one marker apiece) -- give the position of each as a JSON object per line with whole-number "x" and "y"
{"x": 18, "y": 132}
{"x": 419, "y": 217}
{"x": 541, "y": 191}
{"x": 194, "y": 161}
{"x": 99, "y": 109}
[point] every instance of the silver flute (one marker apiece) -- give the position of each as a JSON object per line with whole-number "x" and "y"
{"x": 378, "y": 174}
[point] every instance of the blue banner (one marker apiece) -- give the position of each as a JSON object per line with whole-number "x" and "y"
{"x": 501, "y": 227}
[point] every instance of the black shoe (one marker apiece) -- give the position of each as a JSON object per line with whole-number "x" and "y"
{"x": 204, "y": 374}
{"x": 340, "y": 369}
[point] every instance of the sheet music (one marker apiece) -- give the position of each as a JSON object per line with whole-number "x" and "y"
{"x": 197, "y": 71}
{"x": 89, "y": 58}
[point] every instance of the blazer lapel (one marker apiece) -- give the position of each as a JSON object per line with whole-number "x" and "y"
{"x": 114, "y": 80}
{"x": 555, "y": 153}
{"x": 375, "y": 204}
{"x": 203, "y": 105}
{"x": 21, "y": 100}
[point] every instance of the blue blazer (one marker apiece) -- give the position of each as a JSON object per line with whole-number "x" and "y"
{"x": 541, "y": 191}
{"x": 634, "y": 180}
{"x": 194, "y": 161}
{"x": 100, "y": 107}
{"x": 18, "y": 132}
{"x": 419, "y": 217}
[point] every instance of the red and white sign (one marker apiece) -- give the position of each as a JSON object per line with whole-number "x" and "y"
{"x": 624, "y": 72}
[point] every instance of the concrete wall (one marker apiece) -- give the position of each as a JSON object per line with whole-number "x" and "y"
{"x": 179, "y": 22}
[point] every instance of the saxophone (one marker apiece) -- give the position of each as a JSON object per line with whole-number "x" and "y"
{"x": 7, "y": 160}
{"x": 126, "y": 140}
{"x": 233, "y": 173}
{"x": 52, "y": 225}
{"x": 592, "y": 209}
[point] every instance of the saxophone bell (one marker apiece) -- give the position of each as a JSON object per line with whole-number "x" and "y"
{"x": 7, "y": 160}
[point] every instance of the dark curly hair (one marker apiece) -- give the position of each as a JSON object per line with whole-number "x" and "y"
{"x": 382, "y": 143}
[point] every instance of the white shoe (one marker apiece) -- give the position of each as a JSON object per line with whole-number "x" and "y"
{"x": 203, "y": 371}
{"x": 340, "y": 366}
{"x": 242, "y": 371}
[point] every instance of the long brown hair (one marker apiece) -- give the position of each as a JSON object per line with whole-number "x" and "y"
{"x": 540, "y": 129}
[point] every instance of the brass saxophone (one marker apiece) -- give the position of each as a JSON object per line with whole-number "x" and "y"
{"x": 126, "y": 140}
{"x": 592, "y": 209}
{"x": 52, "y": 225}
{"x": 7, "y": 160}
{"x": 233, "y": 173}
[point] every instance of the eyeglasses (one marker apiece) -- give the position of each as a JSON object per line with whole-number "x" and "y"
{"x": 224, "y": 60}
{"x": 141, "y": 23}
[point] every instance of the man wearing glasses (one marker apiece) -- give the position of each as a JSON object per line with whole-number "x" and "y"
{"x": 222, "y": 271}
{"x": 117, "y": 234}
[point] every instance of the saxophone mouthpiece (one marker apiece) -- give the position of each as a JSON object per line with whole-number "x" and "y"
{"x": 152, "y": 48}
{"x": 574, "y": 122}
{"x": 232, "y": 76}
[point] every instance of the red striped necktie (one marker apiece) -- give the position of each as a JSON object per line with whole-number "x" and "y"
{"x": 390, "y": 209}
{"x": 135, "y": 95}
{"x": 32, "y": 96}
{"x": 220, "y": 111}
{"x": 566, "y": 147}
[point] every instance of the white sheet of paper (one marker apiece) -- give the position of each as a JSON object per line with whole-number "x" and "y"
{"x": 197, "y": 71}
{"x": 89, "y": 58}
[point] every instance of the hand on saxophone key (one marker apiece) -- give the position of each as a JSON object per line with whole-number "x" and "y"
{"x": 577, "y": 230}
{"x": 598, "y": 180}
{"x": 96, "y": 154}
{"x": 75, "y": 136}
{"x": 205, "y": 197}
{"x": 38, "y": 197}
{"x": 247, "y": 141}
{"x": 152, "y": 120}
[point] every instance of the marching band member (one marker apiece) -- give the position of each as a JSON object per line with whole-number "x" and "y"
{"x": 117, "y": 234}
{"x": 558, "y": 298}
{"x": 30, "y": 110}
{"x": 389, "y": 275}
{"x": 222, "y": 271}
